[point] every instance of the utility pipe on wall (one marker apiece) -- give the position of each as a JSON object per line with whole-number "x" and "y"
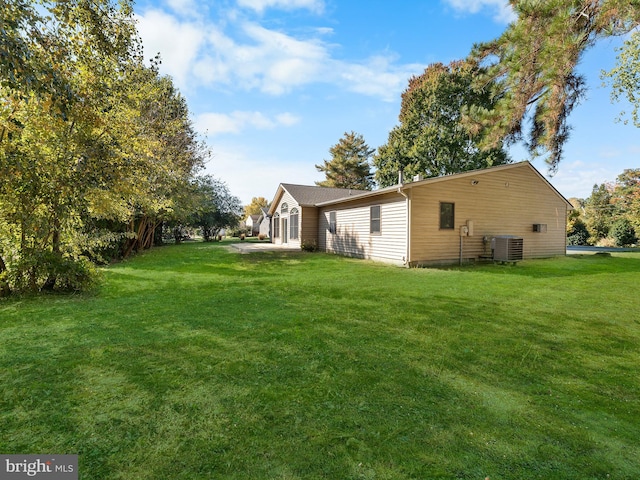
{"x": 408, "y": 235}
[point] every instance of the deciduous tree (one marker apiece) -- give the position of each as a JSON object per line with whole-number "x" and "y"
{"x": 625, "y": 76}
{"x": 599, "y": 212}
{"x": 90, "y": 140}
{"x": 256, "y": 206}
{"x": 626, "y": 197}
{"x": 56, "y": 60}
{"x": 216, "y": 207}
{"x": 430, "y": 139}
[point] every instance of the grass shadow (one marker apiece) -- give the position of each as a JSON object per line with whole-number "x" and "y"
{"x": 566, "y": 266}
{"x": 317, "y": 366}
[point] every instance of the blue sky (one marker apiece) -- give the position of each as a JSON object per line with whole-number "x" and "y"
{"x": 273, "y": 84}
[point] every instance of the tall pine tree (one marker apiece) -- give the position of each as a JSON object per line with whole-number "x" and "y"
{"x": 532, "y": 69}
{"x": 349, "y": 165}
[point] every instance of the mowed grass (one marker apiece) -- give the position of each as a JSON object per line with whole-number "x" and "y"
{"x": 196, "y": 362}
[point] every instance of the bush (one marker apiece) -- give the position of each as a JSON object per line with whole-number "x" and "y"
{"x": 76, "y": 275}
{"x": 309, "y": 246}
{"x": 606, "y": 242}
{"x": 623, "y": 233}
{"x": 237, "y": 231}
{"x": 579, "y": 235}
{"x": 45, "y": 271}
{"x": 262, "y": 236}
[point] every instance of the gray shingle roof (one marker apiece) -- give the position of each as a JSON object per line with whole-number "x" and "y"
{"x": 307, "y": 195}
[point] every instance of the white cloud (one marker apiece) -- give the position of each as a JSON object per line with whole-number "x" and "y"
{"x": 287, "y": 119}
{"x": 377, "y": 77}
{"x": 279, "y": 62}
{"x": 249, "y": 173}
{"x": 325, "y": 30}
{"x": 609, "y": 151}
{"x": 502, "y": 11}
{"x": 247, "y": 56}
{"x": 235, "y": 122}
{"x": 190, "y": 8}
{"x": 577, "y": 178}
{"x": 260, "y": 6}
{"x": 178, "y": 43}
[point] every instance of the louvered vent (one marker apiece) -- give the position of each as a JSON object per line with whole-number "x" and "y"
{"x": 507, "y": 248}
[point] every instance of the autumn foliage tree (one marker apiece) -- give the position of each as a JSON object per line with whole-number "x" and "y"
{"x": 611, "y": 214}
{"x": 55, "y": 63}
{"x": 93, "y": 144}
{"x": 431, "y": 139}
{"x": 256, "y": 206}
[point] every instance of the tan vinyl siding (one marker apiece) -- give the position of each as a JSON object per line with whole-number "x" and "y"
{"x": 353, "y": 237}
{"x": 309, "y": 225}
{"x": 503, "y": 202}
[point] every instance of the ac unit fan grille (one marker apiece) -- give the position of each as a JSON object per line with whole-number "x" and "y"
{"x": 508, "y": 249}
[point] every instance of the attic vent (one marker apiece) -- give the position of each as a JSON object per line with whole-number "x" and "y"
{"x": 507, "y": 248}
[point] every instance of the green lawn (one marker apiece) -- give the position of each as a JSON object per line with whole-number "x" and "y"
{"x": 195, "y": 362}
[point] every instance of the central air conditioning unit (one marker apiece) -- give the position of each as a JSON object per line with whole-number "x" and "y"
{"x": 507, "y": 248}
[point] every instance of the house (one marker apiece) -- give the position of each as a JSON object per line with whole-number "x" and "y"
{"x": 294, "y": 212}
{"x": 439, "y": 220}
{"x": 253, "y": 224}
{"x": 265, "y": 223}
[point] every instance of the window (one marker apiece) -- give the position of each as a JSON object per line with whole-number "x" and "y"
{"x": 284, "y": 208}
{"x": 293, "y": 222}
{"x": 374, "y": 219}
{"x": 332, "y": 222}
{"x": 276, "y": 225}
{"x": 447, "y": 214}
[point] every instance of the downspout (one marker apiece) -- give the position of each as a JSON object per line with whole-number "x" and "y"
{"x": 408, "y": 209}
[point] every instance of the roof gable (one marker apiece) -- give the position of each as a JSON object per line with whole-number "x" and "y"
{"x": 311, "y": 195}
{"x": 308, "y": 196}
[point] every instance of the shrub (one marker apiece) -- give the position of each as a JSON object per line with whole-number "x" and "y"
{"x": 76, "y": 275}
{"x": 579, "y": 235}
{"x": 262, "y": 236}
{"x": 51, "y": 272}
{"x": 237, "y": 231}
{"x": 309, "y": 246}
{"x": 623, "y": 233}
{"x": 605, "y": 242}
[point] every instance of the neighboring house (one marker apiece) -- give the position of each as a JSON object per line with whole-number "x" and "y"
{"x": 437, "y": 220}
{"x": 265, "y": 223}
{"x": 253, "y": 224}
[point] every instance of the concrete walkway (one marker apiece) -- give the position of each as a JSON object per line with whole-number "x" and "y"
{"x": 577, "y": 249}
{"x": 249, "y": 247}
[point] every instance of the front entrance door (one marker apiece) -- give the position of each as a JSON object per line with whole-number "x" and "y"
{"x": 285, "y": 231}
